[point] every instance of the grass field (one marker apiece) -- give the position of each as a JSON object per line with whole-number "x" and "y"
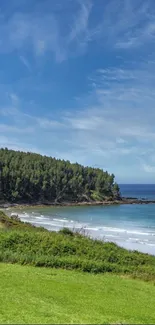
{"x": 30, "y": 295}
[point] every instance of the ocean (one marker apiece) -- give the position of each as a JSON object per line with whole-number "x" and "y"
{"x": 142, "y": 191}
{"x": 130, "y": 226}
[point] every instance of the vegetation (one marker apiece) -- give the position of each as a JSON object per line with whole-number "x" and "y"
{"x": 25, "y": 244}
{"x": 29, "y": 177}
{"x": 31, "y": 295}
{"x": 53, "y": 295}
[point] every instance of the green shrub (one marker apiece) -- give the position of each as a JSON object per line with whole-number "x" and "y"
{"x": 66, "y": 231}
{"x": 51, "y": 249}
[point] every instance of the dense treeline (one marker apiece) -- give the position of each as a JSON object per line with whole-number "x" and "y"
{"x": 29, "y": 177}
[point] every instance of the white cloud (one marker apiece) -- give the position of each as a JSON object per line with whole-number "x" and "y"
{"x": 48, "y": 123}
{"x": 148, "y": 168}
{"x": 121, "y": 141}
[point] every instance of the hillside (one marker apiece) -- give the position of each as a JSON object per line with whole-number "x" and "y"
{"x": 24, "y": 244}
{"x": 30, "y": 178}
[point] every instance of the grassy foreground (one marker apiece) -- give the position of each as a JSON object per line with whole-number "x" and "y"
{"x": 30, "y": 295}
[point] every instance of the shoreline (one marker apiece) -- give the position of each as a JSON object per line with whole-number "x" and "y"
{"x": 122, "y": 201}
{"x": 139, "y": 244}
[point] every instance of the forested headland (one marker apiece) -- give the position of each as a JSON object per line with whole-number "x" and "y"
{"x": 29, "y": 177}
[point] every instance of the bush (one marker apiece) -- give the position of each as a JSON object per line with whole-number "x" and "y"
{"x": 66, "y": 231}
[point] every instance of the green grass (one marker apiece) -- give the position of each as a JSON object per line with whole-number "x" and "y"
{"x": 30, "y": 295}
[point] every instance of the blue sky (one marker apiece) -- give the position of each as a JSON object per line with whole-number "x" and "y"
{"x": 77, "y": 82}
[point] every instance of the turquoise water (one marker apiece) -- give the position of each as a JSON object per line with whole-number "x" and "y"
{"x": 130, "y": 226}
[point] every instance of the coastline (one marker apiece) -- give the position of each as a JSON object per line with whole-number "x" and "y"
{"x": 122, "y": 201}
{"x": 130, "y": 236}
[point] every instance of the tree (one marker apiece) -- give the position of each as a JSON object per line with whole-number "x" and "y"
{"x": 116, "y": 190}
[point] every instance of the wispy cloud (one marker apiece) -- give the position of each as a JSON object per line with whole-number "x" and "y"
{"x": 8, "y": 111}
{"x": 118, "y": 128}
{"x": 4, "y": 128}
{"x": 15, "y": 144}
{"x": 80, "y": 32}
{"x": 128, "y": 24}
{"x": 116, "y": 124}
{"x": 14, "y": 99}
{"x": 25, "y": 62}
{"x": 80, "y": 21}
{"x": 68, "y": 29}
{"x": 41, "y": 31}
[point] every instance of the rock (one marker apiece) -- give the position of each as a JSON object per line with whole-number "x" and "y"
{"x": 15, "y": 216}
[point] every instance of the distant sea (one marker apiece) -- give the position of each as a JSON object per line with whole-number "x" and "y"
{"x": 130, "y": 226}
{"x": 140, "y": 191}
